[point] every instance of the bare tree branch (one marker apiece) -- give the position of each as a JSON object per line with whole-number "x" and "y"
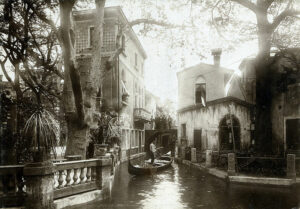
{"x": 49, "y": 22}
{"x": 247, "y": 4}
{"x": 282, "y": 16}
{"x": 153, "y": 22}
{"x": 268, "y": 3}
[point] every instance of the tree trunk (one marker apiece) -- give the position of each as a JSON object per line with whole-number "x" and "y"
{"x": 77, "y": 139}
{"x": 73, "y": 96}
{"x": 263, "y": 124}
{"x": 79, "y": 117}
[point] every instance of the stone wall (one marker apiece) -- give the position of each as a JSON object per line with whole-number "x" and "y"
{"x": 284, "y": 106}
{"x": 208, "y": 119}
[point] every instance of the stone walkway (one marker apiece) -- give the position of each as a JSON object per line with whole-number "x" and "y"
{"x": 240, "y": 178}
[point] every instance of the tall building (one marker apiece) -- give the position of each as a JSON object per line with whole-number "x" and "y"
{"x": 123, "y": 89}
{"x": 284, "y": 79}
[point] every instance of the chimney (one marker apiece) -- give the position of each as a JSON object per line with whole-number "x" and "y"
{"x": 217, "y": 56}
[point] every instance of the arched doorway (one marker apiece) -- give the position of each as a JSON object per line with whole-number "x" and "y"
{"x": 229, "y": 132}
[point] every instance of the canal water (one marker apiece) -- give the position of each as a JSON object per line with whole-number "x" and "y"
{"x": 185, "y": 187}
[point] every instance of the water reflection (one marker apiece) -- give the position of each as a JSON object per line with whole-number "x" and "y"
{"x": 184, "y": 187}
{"x": 166, "y": 192}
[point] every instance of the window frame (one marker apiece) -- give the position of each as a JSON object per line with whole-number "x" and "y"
{"x": 200, "y": 81}
{"x": 201, "y": 93}
{"x": 183, "y": 130}
{"x": 89, "y": 36}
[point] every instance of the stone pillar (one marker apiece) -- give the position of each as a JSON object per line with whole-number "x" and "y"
{"x": 291, "y": 166}
{"x": 39, "y": 179}
{"x": 193, "y": 155}
{"x": 103, "y": 174}
{"x": 231, "y": 164}
{"x": 176, "y": 152}
{"x": 208, "y": 160}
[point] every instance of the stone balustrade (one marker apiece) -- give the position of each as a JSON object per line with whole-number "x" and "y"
{"x": 12, "y": 185}
{"x": 18, "y": 182}
{"x": 73, "y": 177}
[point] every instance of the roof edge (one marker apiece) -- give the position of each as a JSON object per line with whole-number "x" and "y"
{"x": 214, "y": 102}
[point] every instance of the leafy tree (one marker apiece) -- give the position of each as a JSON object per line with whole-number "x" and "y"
{"x": 271, "y": 23}
{"x": 267, "y": 29}
{"x": 29, "y": 50}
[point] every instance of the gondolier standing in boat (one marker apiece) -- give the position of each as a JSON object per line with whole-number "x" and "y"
{"x": 152, "y": 151}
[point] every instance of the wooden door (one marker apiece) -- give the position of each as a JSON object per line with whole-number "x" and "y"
{"x": 197, "y": 139}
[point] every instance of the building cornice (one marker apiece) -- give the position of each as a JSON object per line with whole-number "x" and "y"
{"x": 215, "y": 102}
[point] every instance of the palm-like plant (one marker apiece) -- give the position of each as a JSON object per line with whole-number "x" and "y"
{"x": 43, "y": 129}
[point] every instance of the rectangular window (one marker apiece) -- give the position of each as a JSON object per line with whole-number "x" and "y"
{"x": 132, "y": 138}
{"x": 183, "y": 130}
{"x": 136, "y": 95}
{"x": 124, "y": 138}
{"x": 136, "y": 138}
{"x": 91, "y": 38}
{"x": 135, "y": 60}
{"x": 200, "y": 94}
{"x": 109, "y": 40}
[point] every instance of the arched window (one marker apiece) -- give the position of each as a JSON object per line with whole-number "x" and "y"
{"x": 200, "y": 91}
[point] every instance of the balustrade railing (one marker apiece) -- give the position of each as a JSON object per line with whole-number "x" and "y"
{"x": 12, "y": 185}
{"x": 73, "y": 177}
{"x": 70, "y": 178}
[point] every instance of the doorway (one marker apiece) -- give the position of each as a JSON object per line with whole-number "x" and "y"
{"x": 198, "y": 139}
{"x": 292, "y": 135}
{"x": 229, "y": 133}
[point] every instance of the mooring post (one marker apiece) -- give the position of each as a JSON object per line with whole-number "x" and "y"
{"x": 231, "y": 164}
{"x": 291, "y": 166}
{"x": 208, "y": 159}
{"x": 193, "y": 155}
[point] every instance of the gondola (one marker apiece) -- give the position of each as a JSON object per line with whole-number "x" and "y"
{"x": 160, "y": 164}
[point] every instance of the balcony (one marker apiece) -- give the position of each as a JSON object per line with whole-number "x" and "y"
{"x": 140, "y": 114}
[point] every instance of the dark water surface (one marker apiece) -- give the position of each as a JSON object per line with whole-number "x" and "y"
{"x": 185, "y": 187}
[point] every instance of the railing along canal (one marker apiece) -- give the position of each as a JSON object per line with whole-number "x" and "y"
{"x": 12, "y": 185}
{"x": 74, "y": 177}
{"x": 70, "y": 178}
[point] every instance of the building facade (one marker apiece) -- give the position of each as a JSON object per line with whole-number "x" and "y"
{"x": 123, "y": 89}
{"x": 212, "y": 111}
{"x": 285, "y": 104}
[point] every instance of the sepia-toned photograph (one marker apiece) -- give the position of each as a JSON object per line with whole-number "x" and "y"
{"x": 150, "y": 104}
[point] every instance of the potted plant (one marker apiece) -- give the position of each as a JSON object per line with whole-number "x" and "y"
{"x": 99, "y": 136}
{"x": 43, "y": 130}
